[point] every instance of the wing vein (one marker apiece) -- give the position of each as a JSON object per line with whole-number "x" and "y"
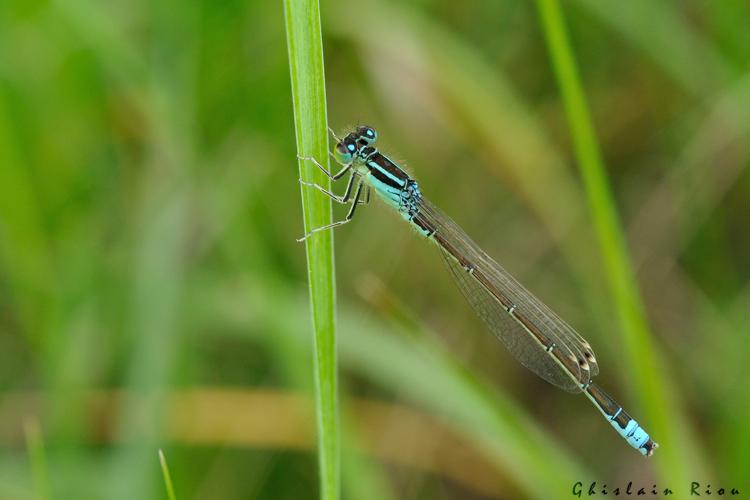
{"x": 461, "y": 254}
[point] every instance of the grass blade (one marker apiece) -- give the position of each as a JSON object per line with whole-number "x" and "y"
{"x": 648, "y": 381}
{"x": 305, "y": 46}
{"x": 167, "y": 477}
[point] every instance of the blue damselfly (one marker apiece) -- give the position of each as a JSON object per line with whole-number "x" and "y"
{"x": 531, "y": 331}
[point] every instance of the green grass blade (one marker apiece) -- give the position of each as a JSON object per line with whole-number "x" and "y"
{"x": 305, "y": 46}
{"x": 647, "y": 379}
{"x": 167, "y": 477}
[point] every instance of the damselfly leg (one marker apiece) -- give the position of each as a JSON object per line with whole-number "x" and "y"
{"x": 330, "y": 131}
{"x": 349, "y": 216}
{"x": 344, "y": 199}
{"x": 333, "y": 177}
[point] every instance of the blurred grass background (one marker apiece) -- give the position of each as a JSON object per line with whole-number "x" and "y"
{"x": 152, "y": 294}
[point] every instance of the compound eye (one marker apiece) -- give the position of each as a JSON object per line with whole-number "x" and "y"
{"x": 344, "y": 151}
{"x": 368, "y": 135}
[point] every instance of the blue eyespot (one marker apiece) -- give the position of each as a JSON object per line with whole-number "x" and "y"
{"x": 367, "y": 135}
{"x": 344, "y": 152}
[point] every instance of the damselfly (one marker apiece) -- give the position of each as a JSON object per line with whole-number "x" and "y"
{"x": 531, "y": 331}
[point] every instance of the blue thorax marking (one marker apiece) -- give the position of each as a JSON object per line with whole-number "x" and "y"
{"x": 383, "y": 169}
{"x": 391, "y": 183}
{"x": 386, "y": 171}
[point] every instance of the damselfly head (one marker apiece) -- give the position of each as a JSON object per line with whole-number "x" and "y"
{"x": 346, "y": 149}
{"x": 366, "y": 135}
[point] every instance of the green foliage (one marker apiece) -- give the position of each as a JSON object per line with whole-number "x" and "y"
{"x": 152, "y": 294}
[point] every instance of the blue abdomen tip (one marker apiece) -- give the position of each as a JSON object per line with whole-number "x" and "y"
{"x": 633, "y": 434}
